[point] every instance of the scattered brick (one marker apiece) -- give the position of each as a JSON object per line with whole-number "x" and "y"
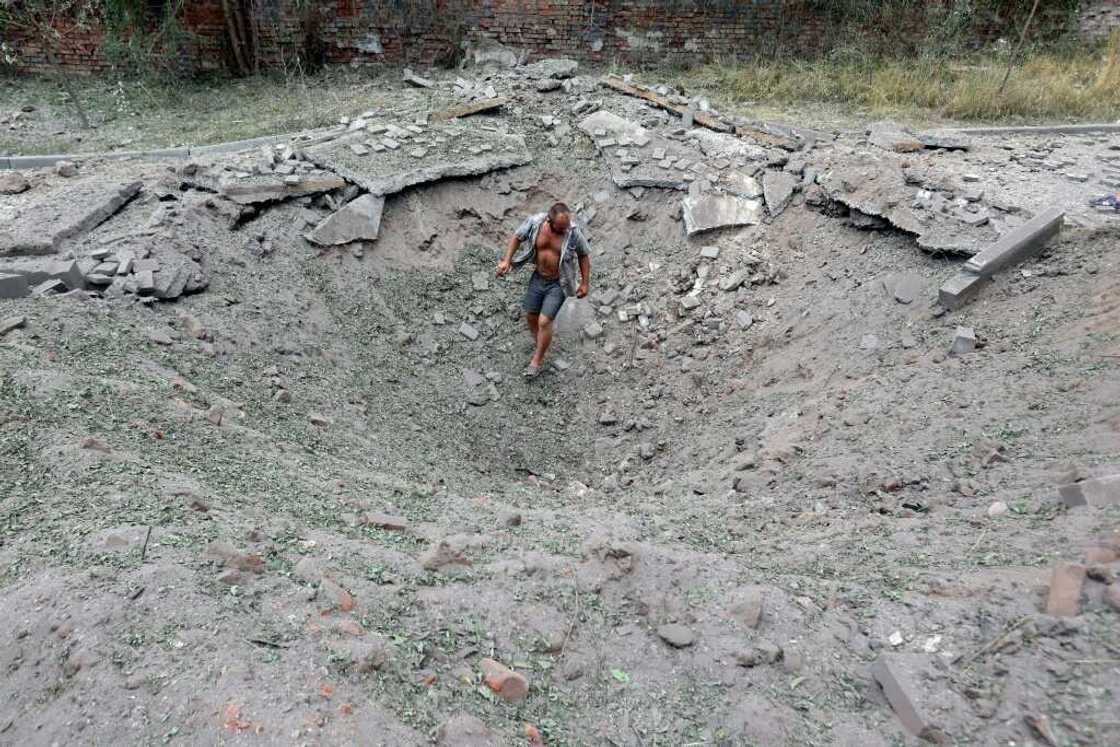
{"x": 1065, "y": 589}
{"x": 508, "y": 684}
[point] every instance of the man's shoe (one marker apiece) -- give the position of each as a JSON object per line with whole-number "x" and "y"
{"x": 532, "y": 372}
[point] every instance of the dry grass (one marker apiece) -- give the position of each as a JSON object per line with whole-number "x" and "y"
{"x": 1076, "y": 85}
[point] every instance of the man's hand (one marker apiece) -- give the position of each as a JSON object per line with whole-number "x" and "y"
{"x": 581, "y": 292}
{"x": 504, "y": 267}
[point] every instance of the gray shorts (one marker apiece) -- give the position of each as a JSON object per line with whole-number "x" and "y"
{"x": 544, "y": 297}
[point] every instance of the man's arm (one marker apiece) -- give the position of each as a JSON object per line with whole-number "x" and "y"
{"x": 507, "y": 261}
{"x": 584, "y": 275}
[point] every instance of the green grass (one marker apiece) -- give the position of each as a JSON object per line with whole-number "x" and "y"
{"x": 1075, "y": 84}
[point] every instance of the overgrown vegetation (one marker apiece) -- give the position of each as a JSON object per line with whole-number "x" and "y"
{"x": 1066, "y": 83}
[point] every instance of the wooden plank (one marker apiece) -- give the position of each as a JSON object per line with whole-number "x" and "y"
{"x": 475, "y": 107}
{"x": 701, "y": 118}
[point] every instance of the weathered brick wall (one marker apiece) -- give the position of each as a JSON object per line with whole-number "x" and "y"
{"x": 1098, "y": 18}
{"x": 423, "y": 31}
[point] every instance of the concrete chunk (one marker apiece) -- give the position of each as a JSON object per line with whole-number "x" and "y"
{"x": 252, "y": 190}
{"x": 358, "y": 220}
{"x": 64, "y": 213}
{"x": 705, "y": 212}
{"x": 1015, "y": 246}
{"x": 911, "y": 686}
{"x": 38, "y": 270}
{"x": 1064, "y": 599}
{"x": 959, "y": 290}
{"x": 963, "y": 342}
{"x": 777, "y": 187}
{"x": 1099, "y": 491}
{"x": 13, "y": 286}
{"x": 468, "y": 331}
{"x": 12, "y": 322}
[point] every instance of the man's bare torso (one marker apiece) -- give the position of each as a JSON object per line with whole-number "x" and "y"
{"x": 548, "y": 247}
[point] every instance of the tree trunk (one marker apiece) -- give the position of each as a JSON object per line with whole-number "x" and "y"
{"x": 234, "y": 38}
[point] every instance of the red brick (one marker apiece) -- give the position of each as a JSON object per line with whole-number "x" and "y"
{"x": 508, "y": 684}
{"x": 1064, "y": 599}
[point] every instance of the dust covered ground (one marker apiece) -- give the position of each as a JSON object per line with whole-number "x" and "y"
{"x": 298, "y": 502}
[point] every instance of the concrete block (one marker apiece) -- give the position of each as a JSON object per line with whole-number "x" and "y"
{"x": 959, "y": 290}
{"x": 48, "y": 287}
{"x": 1099, "y": 491}
{"x": 14, "y": 286}
{"x": 963, "y": 342}
{"x": 1064, "y": 599}
{"x": 917, "y": 696}
{"x": 38, "y": 270}
{"x": 468, "y": 331}
{"x": 1015, "y": 246}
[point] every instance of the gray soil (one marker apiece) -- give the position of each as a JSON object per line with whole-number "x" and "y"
{"x": 298, "y": 506}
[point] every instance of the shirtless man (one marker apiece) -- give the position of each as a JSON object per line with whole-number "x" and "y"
{"x": 555, "y": 245}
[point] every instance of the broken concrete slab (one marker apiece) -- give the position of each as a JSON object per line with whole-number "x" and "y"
{"x": 14, "y": 286}
{"x": 960, "y": 289}
{"x": 11, "y": 323}
{"x": 465, "y": 151}
{"x": 1098, "y": 491}
{"x": 64, "y": 213}
{"x": 614, "y": 126}
{"x": 413, "y": 79}
{"x": 475, "y": 107}
{"x": 39, "y": 270}
{"x": 738, "y": 183}
{"x": 358, "y": 220}
{"x": 556, "y": 67}
{"x": 876, "y": 185}
{"x": 1017, "y": 245}
{"x": 705, "y": 212}
{"x": 918, "y": 694}
{"x": 1064, "y": 597}
{"x": 893, "y": 137}
{"x": 252, "y": 190}
{"x": 778, "y": 189}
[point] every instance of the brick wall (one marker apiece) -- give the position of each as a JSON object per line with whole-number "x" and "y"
{"x": 1099, "y": 18}
{"x": 422, "y": 31}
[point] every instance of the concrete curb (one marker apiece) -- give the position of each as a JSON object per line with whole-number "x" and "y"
{"x": 1035, "y": 130}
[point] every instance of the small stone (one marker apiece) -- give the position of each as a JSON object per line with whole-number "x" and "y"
{"x": 440, "y": 554}
{"x": 1064, "y": 599}
{"x": 159, "y": 337}
{"x": 318, "y": 420}
{"x": 464, "y": 730}
{"x": 94, "y": 444}
{"x": 677, "y": 636}
{"x": 593, "y": 330}
{"x": 468, "y": 331}
{"x": 709, "y": 252}
{"x": 230, "y": 577}
{"x": 66, "y": 169}
{"x": 13, "y": 182}
{"x": 690, "y": 302}
{"x": 607, "y": 418}
{"x": 999, "y": 508}
{"x": 511, "y": 519}
{"x": 744, "y": 319}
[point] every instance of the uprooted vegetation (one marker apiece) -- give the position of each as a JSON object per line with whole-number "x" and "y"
{"x": 769, "y": 493}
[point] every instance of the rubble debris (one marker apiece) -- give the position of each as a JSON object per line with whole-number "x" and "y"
{"x": 554, "y": 67}
{"x": 466, "y": 110}
{"x": 13, "y": 286}
{"x": 357, "y": 220}
{"x": 964, "y": 341}
{"x": 699, "y": 117}
{"x": 876, "y": 185}
{"x": 13, "y": 183}
{"x": 907, "y": 287}
{"x": 1064, "y": 597}
{"x": 11, "y": 323}
{"x": 468, "y": 151}
{"x": 910, "y": 686}
{"x": 709, "y": 211}
{"x": 39, "y": 270}
{"x": 65, "y": 213}
{"x": 415, "y": 80}
{"x": 253, "y": 190}
{"x": 1097, "y": 491}
{"x": 1015, "y": 246}
{"x": 778, "y": 187}
{"x": 66, "y": 169}
{"x": 893, "y": 137}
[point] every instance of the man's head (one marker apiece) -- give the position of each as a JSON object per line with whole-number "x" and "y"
{"x": 559, "y": 218}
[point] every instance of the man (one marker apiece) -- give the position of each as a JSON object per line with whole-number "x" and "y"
{"x": 555, "y": 245}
